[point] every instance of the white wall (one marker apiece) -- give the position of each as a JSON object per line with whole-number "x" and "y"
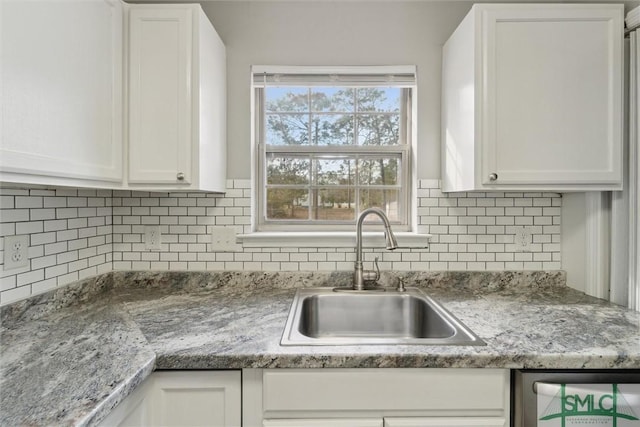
{"x": 574, "y": 240}
{"x": 334, "y": 33}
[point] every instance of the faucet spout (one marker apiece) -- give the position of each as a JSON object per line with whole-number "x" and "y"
{"x": 390, "y": 244}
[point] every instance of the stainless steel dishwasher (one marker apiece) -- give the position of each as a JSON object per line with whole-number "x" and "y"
{"x": 565, "y": 398}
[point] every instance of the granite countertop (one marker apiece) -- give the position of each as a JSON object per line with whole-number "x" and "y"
{"x": 69, "y": 356}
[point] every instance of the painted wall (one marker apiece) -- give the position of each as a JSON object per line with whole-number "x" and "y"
{"x": 334, "y": 33}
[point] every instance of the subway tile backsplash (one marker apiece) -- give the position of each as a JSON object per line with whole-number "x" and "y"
{"x": 471, "y": 231}
{"x": 79, "y": 233}
{"x": 70, "y": 235}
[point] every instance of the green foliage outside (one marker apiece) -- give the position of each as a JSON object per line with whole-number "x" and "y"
{"x": 328, "y": 186}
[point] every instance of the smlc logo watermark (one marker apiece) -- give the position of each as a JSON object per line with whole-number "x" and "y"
{"x": 590, "y": 405}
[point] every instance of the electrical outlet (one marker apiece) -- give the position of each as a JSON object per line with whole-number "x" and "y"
{"x": 152, "y": 237}
{"x": 523, "y": 239}
{"x": 16, "y": 252}
{"x": 223, "y": 239}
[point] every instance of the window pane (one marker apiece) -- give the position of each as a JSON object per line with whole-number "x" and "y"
{"x": 333, "y": 204}
{"x": 287, "y": 99}
{"x": 329, "y": 99}
{"x": 287, "y": 129}
{"x": 387, "y": 200}
{"x": 287, "y": 204}
{"x": 332, "y": 129}
{"x": 379, "y": 99}
{"x": 378, "y": 129}
{"x": 335, "y": 171}
{"x": 330, "y": 152}
{"x": 381, "y": 171}
{"x": 287, "y": 170}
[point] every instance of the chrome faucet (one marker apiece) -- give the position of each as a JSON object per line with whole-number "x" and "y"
{"x": 359, "y": 275}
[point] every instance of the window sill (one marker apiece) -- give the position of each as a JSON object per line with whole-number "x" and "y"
{"x": 370, "y": 239}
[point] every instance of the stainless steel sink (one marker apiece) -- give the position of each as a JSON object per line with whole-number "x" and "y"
{"x": 324, "y": 316}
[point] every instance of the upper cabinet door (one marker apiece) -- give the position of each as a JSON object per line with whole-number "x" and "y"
{"x": 160, "y": 108}
{"x": 177, "y": 100}
{"x": 532, "y": 98}
{"x": 61, "y": 74}
{"x": 553, "y": 94}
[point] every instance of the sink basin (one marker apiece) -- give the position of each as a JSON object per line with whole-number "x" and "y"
{"x": 324, "y": 316}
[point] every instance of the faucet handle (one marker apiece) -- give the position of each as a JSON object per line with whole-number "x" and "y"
{"x": 372, "y": 276}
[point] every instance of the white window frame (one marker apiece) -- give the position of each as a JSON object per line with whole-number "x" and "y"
{"x": 383, "y": 76}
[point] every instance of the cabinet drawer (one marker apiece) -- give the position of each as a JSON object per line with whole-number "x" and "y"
{"x": 326, "y": 422}
{"x": 445, "y": 422}
{"x": 483, "y": 390}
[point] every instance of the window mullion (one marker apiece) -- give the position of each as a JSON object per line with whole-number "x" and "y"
{"x": 357, "y": 187}
{"x": 356, "y": 122}
{"x": 310, "y": 188}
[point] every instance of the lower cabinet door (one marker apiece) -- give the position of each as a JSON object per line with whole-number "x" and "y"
{"x": 196, "y": 398}
{"x": 326, "y": 422}
{"x": 445, "y": 422}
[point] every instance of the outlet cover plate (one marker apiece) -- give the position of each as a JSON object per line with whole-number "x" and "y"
{"x": 223, "y": 239}
{"x": 16, "y": 252}
{"x": 152, "y": 237}
{"x": 523, "y": 239}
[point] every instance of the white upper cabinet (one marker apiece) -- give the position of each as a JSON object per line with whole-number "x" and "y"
{"x": 533, "y": 98}
{"x": 177, "y": 100}
{"x": 61, "y": 92}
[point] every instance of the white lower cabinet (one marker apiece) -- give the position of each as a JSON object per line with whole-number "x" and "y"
{"x": 390, "y": 422}
{"x": 446, "y": 422}
{"x": 319, "y": 398}
{"x": 182, "y": 398}
{"x": 375, "y": 397}
{"x": 326, "y": 422}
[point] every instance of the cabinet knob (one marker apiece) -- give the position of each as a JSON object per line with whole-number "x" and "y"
{"x": 493, "y": 176}
{"x": 180, "y": 176}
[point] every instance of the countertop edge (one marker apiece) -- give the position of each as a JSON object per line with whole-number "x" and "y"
{"x": 104, "y": 408}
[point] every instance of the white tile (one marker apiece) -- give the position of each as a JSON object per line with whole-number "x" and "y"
{"x": 28, "y": 202}
{"x": 14, "y": 215}
{"x": 67, "y": 278}
{"x": 55, "y": 271}
{"x": 43, "y": 286}
{"x": 7, "y": 282}
{"x": 15, "y": 294}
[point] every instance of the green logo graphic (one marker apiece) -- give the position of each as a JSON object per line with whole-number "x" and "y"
{"x": 612, "y": 405}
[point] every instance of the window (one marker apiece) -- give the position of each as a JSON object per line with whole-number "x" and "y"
{"x": 331, "y": 144}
